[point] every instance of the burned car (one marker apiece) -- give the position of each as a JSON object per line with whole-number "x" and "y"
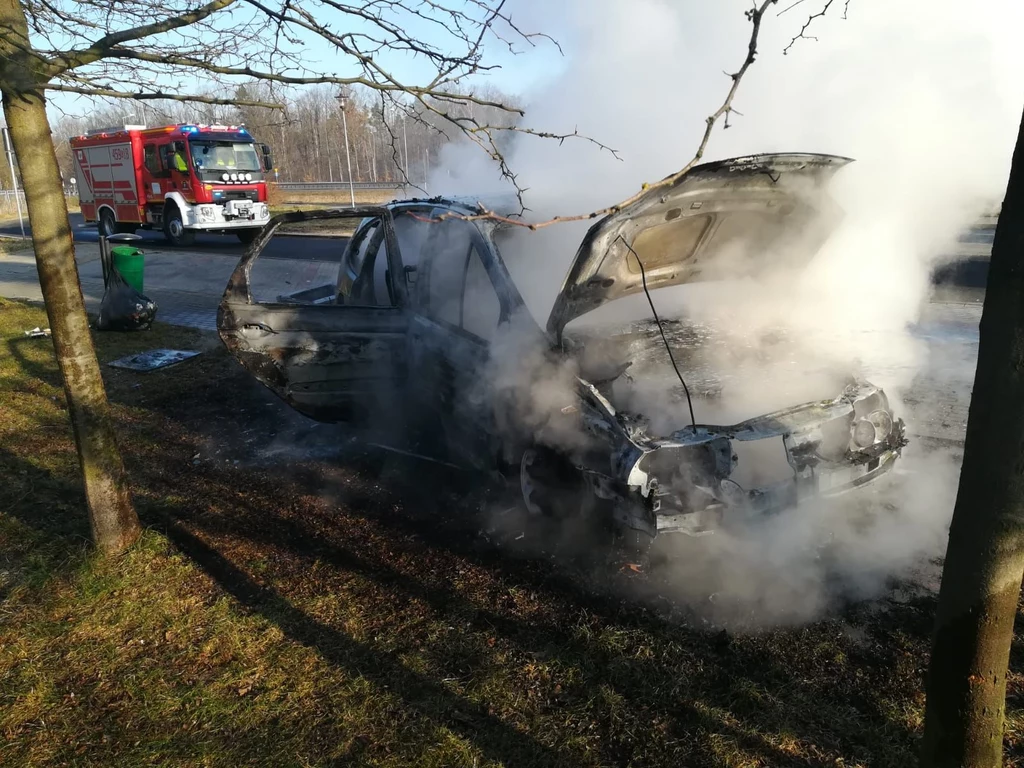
{"x": 403, "y": 345}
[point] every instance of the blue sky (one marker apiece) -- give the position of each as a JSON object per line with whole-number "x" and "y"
{"x": 518, "y": 74}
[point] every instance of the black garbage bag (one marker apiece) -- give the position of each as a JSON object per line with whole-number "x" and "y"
{"x": 123, "y": 308}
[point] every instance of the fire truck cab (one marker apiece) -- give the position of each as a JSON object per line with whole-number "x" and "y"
{"x": 182, "y": 179}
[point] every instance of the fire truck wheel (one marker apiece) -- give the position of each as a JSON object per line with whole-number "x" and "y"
{"x": 107, "y": 224}
{"x": 247, "y": 235}
{"x": 174, "y": 228}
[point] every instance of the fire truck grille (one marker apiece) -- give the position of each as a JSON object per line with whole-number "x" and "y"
{"x": 240, "y": 194}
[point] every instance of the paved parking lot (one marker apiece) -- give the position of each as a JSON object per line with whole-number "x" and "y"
{"x": 186, "y": 285}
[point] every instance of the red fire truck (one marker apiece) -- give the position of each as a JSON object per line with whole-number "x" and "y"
{"x": 182, "y": 179}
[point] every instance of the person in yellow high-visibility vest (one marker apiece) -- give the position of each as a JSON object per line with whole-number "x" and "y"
{"x": 179, "y": 162}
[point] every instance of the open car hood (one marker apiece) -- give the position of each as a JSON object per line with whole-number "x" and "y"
{"x": 728, "y": 219}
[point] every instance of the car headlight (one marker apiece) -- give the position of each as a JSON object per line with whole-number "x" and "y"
{"x": 225, "y": 177}
{"x": 248, "y": 177}
{"x": 882, "y": 422}
{"x": 864, "y": 433}
{"x": 206, "y": 213}
{"x": 234, "y": 177}
{"x": 264, "y": 212}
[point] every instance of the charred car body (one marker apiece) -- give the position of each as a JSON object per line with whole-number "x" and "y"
{"x": 402, "y": 344}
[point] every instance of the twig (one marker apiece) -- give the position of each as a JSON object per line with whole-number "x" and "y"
{"x": 754, "y": 15}
{"x": 801, "y": 36}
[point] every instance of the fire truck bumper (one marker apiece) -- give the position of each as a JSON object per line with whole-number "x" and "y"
{"x": 228, "y": 216}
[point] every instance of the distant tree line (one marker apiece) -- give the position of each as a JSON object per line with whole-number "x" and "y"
{"x": 307, "y": 136}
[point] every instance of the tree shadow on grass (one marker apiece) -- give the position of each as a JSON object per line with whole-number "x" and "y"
{"x": 694, "y": 706}
{"x": 497, "y": 740}
{"x": 716, "y": 678}
{"x": 653, "y": 692}
{"x": 429, "y": 698}
{"x": 44, "y": 370}
{"x": 749, "y": 674}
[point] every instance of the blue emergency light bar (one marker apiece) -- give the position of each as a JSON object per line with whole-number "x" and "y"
{"x": 231, "y": 128}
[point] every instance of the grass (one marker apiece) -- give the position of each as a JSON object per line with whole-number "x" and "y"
{"x": 281, "y": 202}
{"x": 12, "y": 245}
{"x": 8, "y": 209}
{"x": 291, "y": 200}
{"x": 308, "y": 612}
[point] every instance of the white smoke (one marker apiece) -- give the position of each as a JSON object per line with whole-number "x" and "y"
{"x": 922, "y": 94}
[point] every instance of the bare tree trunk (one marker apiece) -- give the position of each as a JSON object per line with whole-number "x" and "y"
{"x": 981, "y": 579}
{"x": 114, "y": 522}
{"x": 315, "y": 129}
{"x": 281, "y": 154}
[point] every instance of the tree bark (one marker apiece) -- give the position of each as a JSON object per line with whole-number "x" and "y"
{"x": 113, "y": 519}
{"x": 984, "y": 564}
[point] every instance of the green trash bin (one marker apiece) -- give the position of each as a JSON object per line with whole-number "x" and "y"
{"x": 129, "y": 261}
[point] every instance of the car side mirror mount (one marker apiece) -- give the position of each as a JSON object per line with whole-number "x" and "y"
{"x": 410, "y": 273}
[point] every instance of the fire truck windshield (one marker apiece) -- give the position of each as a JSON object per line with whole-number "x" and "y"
{"x": 224, "y": 155}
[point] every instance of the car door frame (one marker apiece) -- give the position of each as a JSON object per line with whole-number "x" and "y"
{"x": 439, "y": 351}
{"x": 361, "y": 348}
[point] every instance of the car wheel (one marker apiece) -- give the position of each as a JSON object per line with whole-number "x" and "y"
{"x": 247, "y": 235}
{"x": 550, "y": 486}
{"x": 174, "y": 228}
{"x": 107, "y": 224}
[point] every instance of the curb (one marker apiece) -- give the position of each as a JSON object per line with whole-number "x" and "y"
{"x": 324, "y": 236}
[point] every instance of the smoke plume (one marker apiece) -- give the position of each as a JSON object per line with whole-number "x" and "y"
{"x": 922, "y": 95}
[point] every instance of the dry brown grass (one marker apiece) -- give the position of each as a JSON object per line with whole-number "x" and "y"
{"x": 9, "y": 210}
{"x": 307, "y": 612}
{"x": 284, "y": 200}
{"x": 10, "y": 245}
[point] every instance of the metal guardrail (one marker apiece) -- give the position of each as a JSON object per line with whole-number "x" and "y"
{"x": 7, "y": 195}
{"x": 332, "y": 186}
{"x": 335, "y": 186}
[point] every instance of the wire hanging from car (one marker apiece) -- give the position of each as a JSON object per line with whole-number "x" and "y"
{"x": 661, "y": 329}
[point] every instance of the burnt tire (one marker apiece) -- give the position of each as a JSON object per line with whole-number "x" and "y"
{"x": 247, "y": 235}
{"x": 174, "y": 228}
{"x": 106, "y": 225}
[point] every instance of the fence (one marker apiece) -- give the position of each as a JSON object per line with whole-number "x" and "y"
{"x": 335, "y": 186}
{"x": 7, "y": 195}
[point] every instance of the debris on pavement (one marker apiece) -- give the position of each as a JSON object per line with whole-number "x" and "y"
{"x": 38, "y": 333}
{"x": 153, "y": 359}
{"x": 122, "y": 308}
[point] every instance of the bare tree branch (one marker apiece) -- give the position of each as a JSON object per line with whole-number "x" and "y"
{"x": 810, "y": 20}
{"x": 159, "y": 96}
{"x": 754, "y": 15}
{"x": 100, "y": 48}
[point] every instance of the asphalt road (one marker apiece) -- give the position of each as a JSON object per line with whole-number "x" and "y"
{"x": 281, "y": 247}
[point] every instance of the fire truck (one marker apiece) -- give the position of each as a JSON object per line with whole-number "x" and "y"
{"x": 182, "y": 179}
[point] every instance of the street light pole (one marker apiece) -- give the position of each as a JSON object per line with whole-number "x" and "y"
{"x": 405, "y": 139}
{"x": 373, "y": 150}
{"x": 342, "y": 98}
{"x": 11, "y": 159}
